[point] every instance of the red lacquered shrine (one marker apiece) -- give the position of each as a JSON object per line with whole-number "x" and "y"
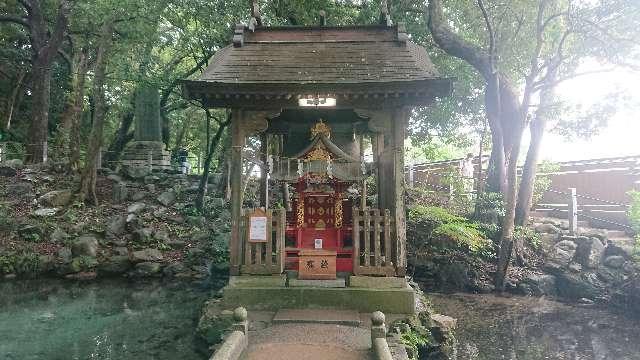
{"x": 318, "y": 98}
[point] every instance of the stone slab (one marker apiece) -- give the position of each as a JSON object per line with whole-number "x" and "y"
{"x": 400, "y": 301}
{"x": 338, "y": 317}
{"x": 374, "y": 282}
{"x": 337, "y": 283}
{"x": 258, "y": 281}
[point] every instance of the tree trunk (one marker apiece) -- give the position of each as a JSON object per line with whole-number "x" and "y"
{"x": 69, "y": 129}
{"x": 213, "y": 144}
{"x": 39, "y": 126}
{"x": 87, "y": 191}
{"x": 121, "y": 138}
{"x": 529, "y": 170}
{"x": 13, "y": 100}
{"x": 507, "y": 241}
{"x": 45, "y": 45}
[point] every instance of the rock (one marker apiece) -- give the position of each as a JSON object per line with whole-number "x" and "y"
{"x": 600, "y": 234}
{"x": 58, "y": 236}
{"x": 611, "y": 276}
{"x": 561, "y": 254}
{"x": 579, "y": 285}
{"x": 85, "y": 245}
{"x": 136, "y": 207}
{"x": 447, "y": 323}
{"x": 613, "y": 249}
{"x": 138, "y": 195}
{"x": 143, "y": 236}
{"x": 56, "y": 198}
{"x": 547, "y": 229}
{"x": 614, "y": 261}
{"x": 82, "y": 276}
{"x": 14, "y": 164}
{"x": 136, "y": 172}
{"x": 120, "y": 193}
{"x": 8, "y": 171}
{"x": 45, "y": 212}
{"x": 121, "y": 251}
{"x": 589, "y": 252}
{"x": 145, "y": 269}
{"x": 541, "y": 284}
{"x": 151, "y": 179}
{"x": 585, "y": 301}
{"x": 175, "y": 243}
{"x": 549, "y": 238}
{"x": 150, "y": 188}
{"x": 148, "y": 254}
{"x": 20, "y": 189}
{"x": 65, "y": 255}
{"x": 575, "y": 267}
{"x": 116, "y": 226}
{"x": 83, "y": 263}
{"x": 174, "y": 269}
{"x": 115, "y": 178}
{"x": 45, "y": 264}
{"x": 115, "y": 265}
{"x": 161, "y": 236}
{"x": 167, "y": 198}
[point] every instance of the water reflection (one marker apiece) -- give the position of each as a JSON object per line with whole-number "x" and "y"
{"x": 492, "y": 327}
{"x": 101, "y": 320}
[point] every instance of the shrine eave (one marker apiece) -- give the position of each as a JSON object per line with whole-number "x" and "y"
{"x": 285, "y": 95}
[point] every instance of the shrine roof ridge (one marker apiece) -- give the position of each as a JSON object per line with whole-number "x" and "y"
{"x": 301, "y": 60}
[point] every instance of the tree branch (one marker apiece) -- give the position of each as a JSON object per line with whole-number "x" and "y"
{"x": 453, "y": 44}
{"x": 14, "y": 19}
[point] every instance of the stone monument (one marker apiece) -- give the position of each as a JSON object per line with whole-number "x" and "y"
{"x": 147, "y": 149}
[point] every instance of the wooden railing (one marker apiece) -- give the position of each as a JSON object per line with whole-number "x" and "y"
{"x": 264, "y": 258}
{"x": 372, "y": 242}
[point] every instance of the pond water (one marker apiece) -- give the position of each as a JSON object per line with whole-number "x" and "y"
{"x": 521, "y": 328}
{"x": 107, "y": 319}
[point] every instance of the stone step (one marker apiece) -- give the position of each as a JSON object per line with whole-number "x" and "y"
{"x": 337, "y": 317}
{"x": 337, "y": 283}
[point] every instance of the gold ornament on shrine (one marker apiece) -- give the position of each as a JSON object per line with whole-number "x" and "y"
{"x": 338, "y": 212}
{"x": 319, "y": 152}
{"x": 320, "y": 128}
{"x": 300, "y": 212}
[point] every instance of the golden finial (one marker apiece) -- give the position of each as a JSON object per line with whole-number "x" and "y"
{"x": 320, "y": 128}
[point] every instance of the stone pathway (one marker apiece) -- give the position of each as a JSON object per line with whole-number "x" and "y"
{"x": 309, "y": 341}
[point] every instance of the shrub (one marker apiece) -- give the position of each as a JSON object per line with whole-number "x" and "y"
{"x": 490, "y": 208}
{"x": 435, "y": 226}
{"x": 542, "y": 182}
{"x": 634, "y": 211}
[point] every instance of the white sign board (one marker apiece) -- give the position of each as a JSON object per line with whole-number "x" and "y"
{"x": 318, "y": 243}
{"x": 258, "y": 228}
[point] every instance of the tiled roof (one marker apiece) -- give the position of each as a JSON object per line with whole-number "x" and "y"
{"x": 320, "y": 55}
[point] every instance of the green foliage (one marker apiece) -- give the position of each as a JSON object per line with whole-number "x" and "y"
{"x": 490, "y": 208}
{"x": 437, "y": 227}
{"x": 24, "y": 263}
{"x": 543, "y": 179}
{"x": 634, "y": 211}
{"x": 6, "y": 224}
{"x": 529, "y": 236}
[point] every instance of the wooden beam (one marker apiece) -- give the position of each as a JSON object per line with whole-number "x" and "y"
{"x": 237, "y": 143}
{"x": 399, "y": 121}
{"x": 264, "y": 173}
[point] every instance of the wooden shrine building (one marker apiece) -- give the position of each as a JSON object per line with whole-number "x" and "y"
{"x": 316, "y": 96}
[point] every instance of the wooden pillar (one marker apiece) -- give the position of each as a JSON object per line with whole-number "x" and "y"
{"x": 377, "y": 144}
{"x": 264, "y": 174}
{"x": 235, "y": 172}
{"x": 397, "y": 188}
{"x": 573, "y": 211}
